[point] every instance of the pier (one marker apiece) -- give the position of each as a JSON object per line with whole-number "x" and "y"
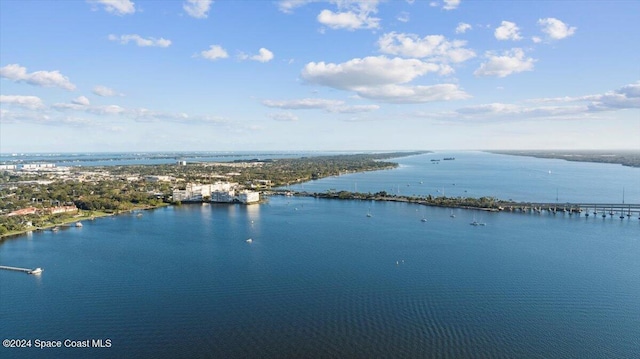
{"x": 25, "y": 270}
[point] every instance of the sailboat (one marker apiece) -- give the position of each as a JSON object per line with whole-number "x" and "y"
{"x": 369, "y": 213}
{"x": 452, "y": 215}
{"x": 476, "y": 223}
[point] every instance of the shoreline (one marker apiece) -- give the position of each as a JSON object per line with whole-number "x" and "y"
{"x": 487, "y": 204}
{"x": 627, "y": 158}
{"x": 69, "y": 222}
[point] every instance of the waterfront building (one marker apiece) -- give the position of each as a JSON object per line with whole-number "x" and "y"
{"x": 63, "y": 209}
{"x": 247, "y": 196}
{"x": 23, "y": 212}
{"x": 223, "y": 196}
{"x": 219, "y": 192}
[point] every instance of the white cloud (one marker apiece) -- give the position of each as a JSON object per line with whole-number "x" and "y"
{"x": 81, "y": 100}
{"x": 334, "y": 106}
{"x": 451, "y": 4}
{"x": 264, "y": 55}
{"x": 350, "y": 14}
{"x": 508, "y": 31}
{"x": 368, "y": 71}
{"x": 287, "y": 6}
{"x": 118, "y": 7}
{"x": 215, "y": 52}
{"x": 107, "y": 110}
{"x": 18, "y": 73}
{"x": 29, "y": 102}
{"x": 510, "y": 62}
{"x": 492, "y": 108}
{"x": 413, "y": 94}
{"x": 560, "y": 108}
{"x": 197, "y": 8}
{"x": 631, "y": 90}
{"x": 462, "y": 28}
{"x": 353, "y": 108}
{"x": 403, "y": 17}
{"x": 80, "y": 103}
{"x": 303, "y": 104}
{"x": 536, "y": 39}
{"x": 140, "y": 41}
{"x": 626, "y": 97}
{"x": 7, "y": 117}
{"x": 555, "y": 28}
{"x": 379, "y": 78}
{"x": 348, "y": 20}
{"x": 432, "y": 46}
{"x": 68, "y": 106}
{"x": 283, "y": 116}
{"x": 105, "y": 91}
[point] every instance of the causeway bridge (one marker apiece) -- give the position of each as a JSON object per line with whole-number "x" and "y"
{"x": 622, "y": 210}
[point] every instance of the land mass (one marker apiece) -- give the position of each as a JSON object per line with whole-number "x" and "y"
{"x": 39, "y": 199}
{"x": 629, "y": 158}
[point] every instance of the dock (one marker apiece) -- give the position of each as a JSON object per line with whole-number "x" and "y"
{"x": 25, "y": 270}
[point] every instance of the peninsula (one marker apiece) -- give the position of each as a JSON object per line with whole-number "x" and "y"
{"x": 629, "y": 158}
{"x": 37, "y": 197}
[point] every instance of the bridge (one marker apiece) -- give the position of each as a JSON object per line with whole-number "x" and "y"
{"x": 621, "y": 210}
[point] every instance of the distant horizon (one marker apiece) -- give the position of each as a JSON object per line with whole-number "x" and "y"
{"x": 257, "y": 151}
{"x": 346, "y": 75}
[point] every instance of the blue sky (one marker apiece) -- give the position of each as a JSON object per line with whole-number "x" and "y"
{"x": 122, "y": 75}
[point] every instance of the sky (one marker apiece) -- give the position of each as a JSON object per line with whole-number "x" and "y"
{"x": 345, "y": 75}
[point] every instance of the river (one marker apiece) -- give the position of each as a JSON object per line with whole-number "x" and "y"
{"x": 322, "y": 279}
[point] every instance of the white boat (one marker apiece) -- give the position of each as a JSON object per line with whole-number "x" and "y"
{"x": 476, "y": 223}
{"x": 36, "y": 271}
{"x": 424, "y": 220}
{"x": 452, "y": 215}
{"x": 249, "y": 240}
{"x": 78, "y": 224}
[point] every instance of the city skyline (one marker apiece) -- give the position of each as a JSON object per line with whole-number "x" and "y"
{"x": 199, "y": 75}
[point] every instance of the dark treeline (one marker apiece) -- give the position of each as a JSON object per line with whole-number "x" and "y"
{"x": 486, "y": 203}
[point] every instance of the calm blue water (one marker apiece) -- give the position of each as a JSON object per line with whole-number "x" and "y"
{"x": 321, "y": 279}
{"x": 477, "y": 174}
